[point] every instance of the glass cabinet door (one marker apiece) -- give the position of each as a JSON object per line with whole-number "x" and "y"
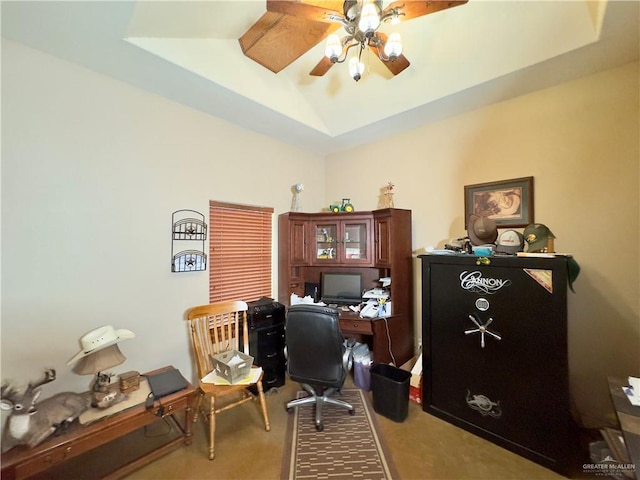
{"x": 355, "y": 241}
{"x": 344, "y": 242}
{"x": 326, "y": 242}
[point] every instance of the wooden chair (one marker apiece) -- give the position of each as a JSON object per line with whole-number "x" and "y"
{"x": 214, "y": 329}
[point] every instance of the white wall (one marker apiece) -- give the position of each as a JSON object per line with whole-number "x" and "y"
{"x": 580, "y": 141}
{"x": 92, "y": 170}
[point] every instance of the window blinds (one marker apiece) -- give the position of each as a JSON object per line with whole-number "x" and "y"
{"x": 239, "y": 252}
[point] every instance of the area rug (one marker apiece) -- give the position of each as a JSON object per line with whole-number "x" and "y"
{"x": 350, "y": 446}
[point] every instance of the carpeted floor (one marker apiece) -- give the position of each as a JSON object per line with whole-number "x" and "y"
{"x": 350, "y": 446}
{"x": 422, "y": 447}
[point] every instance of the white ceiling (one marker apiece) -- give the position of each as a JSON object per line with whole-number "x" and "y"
{"x": 461, "y": 58}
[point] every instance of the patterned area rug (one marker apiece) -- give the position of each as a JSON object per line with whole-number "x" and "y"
{"x": 348, "y": 447}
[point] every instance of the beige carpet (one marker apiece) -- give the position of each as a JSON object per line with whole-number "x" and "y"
{"x": 350, "y": 446}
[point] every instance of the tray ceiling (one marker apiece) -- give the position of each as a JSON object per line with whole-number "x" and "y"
{"x": 461, "y": 58}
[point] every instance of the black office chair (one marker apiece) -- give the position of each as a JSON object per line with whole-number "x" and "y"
{"x": 316, "y": 356}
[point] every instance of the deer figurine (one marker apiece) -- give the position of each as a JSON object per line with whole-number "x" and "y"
{"x": 30, "y": 423}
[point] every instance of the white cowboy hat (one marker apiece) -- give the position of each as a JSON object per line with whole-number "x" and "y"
{"x": 100, "y": 338}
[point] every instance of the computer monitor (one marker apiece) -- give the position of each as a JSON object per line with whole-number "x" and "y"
{"x": 341, "y": 288}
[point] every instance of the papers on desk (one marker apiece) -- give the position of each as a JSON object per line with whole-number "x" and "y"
{"x": 632, "y": 392}
{"x": 214, "y": 378}
{"x": 307, "y": 300}
{"x": 376, "y": 293}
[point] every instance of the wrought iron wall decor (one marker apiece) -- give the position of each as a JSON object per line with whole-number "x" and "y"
{"x": 188, "y": 226}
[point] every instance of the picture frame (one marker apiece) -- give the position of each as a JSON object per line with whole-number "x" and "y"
{"x": 508, "y": 202}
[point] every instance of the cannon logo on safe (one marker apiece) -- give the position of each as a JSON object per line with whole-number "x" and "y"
{"x": 475, "y": 282}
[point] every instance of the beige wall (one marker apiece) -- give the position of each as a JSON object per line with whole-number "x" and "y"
{"x": 93, "y": 168}
{"x": 580, "y": 141}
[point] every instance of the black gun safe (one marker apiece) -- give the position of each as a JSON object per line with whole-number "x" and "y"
{"x": 495, "y": 351}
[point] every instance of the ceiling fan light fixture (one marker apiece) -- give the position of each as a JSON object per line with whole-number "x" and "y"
{"x": 356, "y": 68}
{"x": 333, "y": 49}
{"x": 393, "y": 47}
{"x": 290, "y": 28}
{"x": 369, "y": 19}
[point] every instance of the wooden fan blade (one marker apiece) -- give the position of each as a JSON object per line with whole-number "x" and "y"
{"x": 276, "y": 40}
{"x": 395, "y": 66}
{"x": 322, "y": 67}
{"x": 305, "y": 10}
{"x": 415, "y": 8}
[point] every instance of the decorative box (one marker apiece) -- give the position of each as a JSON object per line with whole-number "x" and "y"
{"x": 232, "y": 365}
{"x": 129, "y": 381}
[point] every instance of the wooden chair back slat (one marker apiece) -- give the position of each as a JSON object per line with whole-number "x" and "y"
{"x": 215, "y": 328}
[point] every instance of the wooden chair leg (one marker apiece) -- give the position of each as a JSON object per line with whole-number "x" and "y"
{"x": 212, "y": 426}
{"x": 263, "y": 405}
{"x": 196, "y": 411}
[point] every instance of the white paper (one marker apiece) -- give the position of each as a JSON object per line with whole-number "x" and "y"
{"x": 307, "y": 300}
{"x": 416, "y": 373}
{"x": 633, "y": 391}
{"x": 235, "y": 360}
{"x": 376, "y": 293}
{"x": 417, "y": 368}
{"x": 214, "y": 378}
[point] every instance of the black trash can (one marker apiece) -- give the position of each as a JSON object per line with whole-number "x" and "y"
{"x": 390, "y": 387}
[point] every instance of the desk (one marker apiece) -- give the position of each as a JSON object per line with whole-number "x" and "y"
{"x": 55, "y": 457}
{"x": 385, "y": 336}
{"x": 629, "y": 418}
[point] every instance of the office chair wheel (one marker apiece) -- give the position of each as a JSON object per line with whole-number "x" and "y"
{"x": 352, "y": 411}
{"x": 288, "y": 409}
{"x": 319, "y": 427}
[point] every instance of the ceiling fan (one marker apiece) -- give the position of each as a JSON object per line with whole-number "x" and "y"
{"x": 290, "y": 28}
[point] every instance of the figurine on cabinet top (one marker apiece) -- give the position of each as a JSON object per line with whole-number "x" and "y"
{"x": 387, "y": 196}
{"x": 296, "y": 204}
